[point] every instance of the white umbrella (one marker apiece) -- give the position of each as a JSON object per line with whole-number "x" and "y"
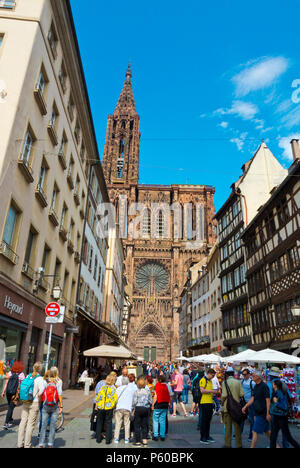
{"x": 244, "y": 356}
{"x": 276, "y": 357}
{"x": 182, "y": 358}
{"x": 206, "y": 358}
{"x": 110, "y": 351}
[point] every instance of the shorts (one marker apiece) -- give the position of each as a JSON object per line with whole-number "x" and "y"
{"x": 177, "y": 397}
{"x": 261, "y": 425}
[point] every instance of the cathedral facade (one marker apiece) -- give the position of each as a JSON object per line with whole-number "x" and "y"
{"x": 165, "y": 230}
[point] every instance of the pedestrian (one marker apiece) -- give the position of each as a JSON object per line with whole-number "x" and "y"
{"x": 233, "y": 387}
{"x": 151, "y": 387}
{"x": 206, "y": 407}
{"x": 99, "y": 384}
{"x": 142, "y": 402}
{"x": 29, "y": 394}
{"x": 123, "y": 410}
{"x": 196, "y": 393}
{"x": 124, "y": 374}
{"x": 280, "y": 412}
{"x": 12, "y": 391}
{"x": 160, "y": 406}
{"x": 178, "y": 388}
{"x": 261, "y": 406}
{"x": 248, "y": 386}
{"x": 106, "y": 401}
{"x": 274, "y": 374}
{"x": 186, "y": 386}
{"x": 51, "y": 395}
{"x": 217, "y": 387}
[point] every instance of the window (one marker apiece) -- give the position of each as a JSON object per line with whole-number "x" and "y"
{"x": 63, "y": 144}
{"x": 63, "y": 216}
{"x": 10, "y": 4}
{"x": 53, "y": 40}
{"x": 71, "y": 108}
{"x": 147, "y": 223}
{"x": 11, "y": 225}
{"x": 54, "y": 200}
{"x": 30, "y": 245}
{"x": 27, "y": 149}
{"x": 77, "y": 132}
{"x": 229, "y": 281}
{"x": 1, "y": 39}
{"x": 41, "y": 83}
{"x": 236, "y": 277}
{"x": 54, "y": 116}
{"x": 63, "y": 77}
{"x": 243, "y": 273}
{"x": 46, "y": 258}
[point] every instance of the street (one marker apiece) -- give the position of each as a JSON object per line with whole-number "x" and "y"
{"x": 76, "y": 432}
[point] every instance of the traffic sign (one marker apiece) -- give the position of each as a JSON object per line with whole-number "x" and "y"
{"x": 59, "y": 318}
{"x": 52, "y": 309}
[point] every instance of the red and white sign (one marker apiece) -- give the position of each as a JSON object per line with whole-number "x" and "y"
{"x": 53, "y": 309}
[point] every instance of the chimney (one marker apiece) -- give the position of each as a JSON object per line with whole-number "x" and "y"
{"x": 295, "y": 149}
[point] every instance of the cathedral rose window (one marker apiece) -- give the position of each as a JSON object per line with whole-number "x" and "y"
{"x": 152, "y": 277}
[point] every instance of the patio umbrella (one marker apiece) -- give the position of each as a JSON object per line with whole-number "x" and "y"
{"x": 110, "y": 351}
{"x": 244, "y": 356}
{"x": 276, "y": 357}
{"x": 206, "y": 358}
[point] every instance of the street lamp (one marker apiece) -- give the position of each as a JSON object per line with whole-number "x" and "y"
{"x": 56, "y": 292}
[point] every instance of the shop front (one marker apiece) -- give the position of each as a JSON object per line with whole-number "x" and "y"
{"x": 24, "y": 333}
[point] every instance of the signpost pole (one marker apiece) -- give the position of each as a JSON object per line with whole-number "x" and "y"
{"x": 49, "y": 346}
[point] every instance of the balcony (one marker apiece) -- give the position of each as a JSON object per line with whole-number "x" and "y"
{"x": 70, "y": 181}
{"x": 77, "y": 257}
{"x": 40, "y": 100}
{"x": 52, "y": 134}
{"x": 53, "y": 217}
{"x": 77, "y": 198}
{"x": 62, "y": 160}
{"x": 63, "y": 233}
{"x": 70, "y": 246}
{"x": 41, "y": 196}
{"x": 202, "y": 341}
{"x": 26, "y": 168}
{"x": 7, "y": 252}
{"x": 9, "y": 4}
{"x": 28, "y": 271}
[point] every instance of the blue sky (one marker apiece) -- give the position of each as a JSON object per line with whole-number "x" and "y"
{"x": 210, "y": 79}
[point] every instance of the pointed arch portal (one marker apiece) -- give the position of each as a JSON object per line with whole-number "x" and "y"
{"x": 151, "y": 342}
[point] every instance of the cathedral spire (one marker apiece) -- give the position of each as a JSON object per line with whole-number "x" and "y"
{"x": 126, "y": 101}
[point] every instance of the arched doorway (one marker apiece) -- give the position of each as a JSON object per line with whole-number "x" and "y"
{"x": 150, "y": 343}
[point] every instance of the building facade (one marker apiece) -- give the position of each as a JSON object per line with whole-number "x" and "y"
{"x": 157, "y": 238}
{"x": 272, "y": 248}
{"x": 260, "y": 175}
{"x": 216, "y": 325}
{"x": 46, "y": 136}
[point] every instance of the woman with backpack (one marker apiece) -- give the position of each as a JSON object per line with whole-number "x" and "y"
{"x": 105, "y": 402}
{"x": 51, "y": 395}
{"x": 29, "y": 394}
{"x": 12, "y": 389}
{"x": 279, "y": 411}
{"x": 142, "y": 402}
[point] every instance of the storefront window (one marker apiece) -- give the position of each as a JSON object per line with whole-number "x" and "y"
{"x": 32, "y": 349}
{"x": 10, "y": 342}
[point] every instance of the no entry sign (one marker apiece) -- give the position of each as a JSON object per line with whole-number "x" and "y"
{"x": 53, "y": 309}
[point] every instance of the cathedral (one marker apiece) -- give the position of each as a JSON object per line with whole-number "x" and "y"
{"x": 165, "y": 230}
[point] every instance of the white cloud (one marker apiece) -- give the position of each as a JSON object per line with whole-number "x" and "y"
{"x": 285, "y": 144}
{"x": 292, "y": 118}
{"x": 245, "y": 110}
{"x": 239, "y": 141}
{"x": 224, "y": 124}
{"x": 261, "y": 75}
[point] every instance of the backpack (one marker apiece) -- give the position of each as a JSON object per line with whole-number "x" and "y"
{"x": 26, "y": 388}
{"x": 196, "y": 389}
{"x": 13, "y": 384}
{"x": 234, "y": 407}
{"x": 106, "y": 398}
{"x": 50, "y": 395}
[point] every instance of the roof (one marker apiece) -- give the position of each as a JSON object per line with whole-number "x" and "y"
{"x": 293, "y": 169}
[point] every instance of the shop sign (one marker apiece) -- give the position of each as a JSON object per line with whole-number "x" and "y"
{"x": 13, "y": 308}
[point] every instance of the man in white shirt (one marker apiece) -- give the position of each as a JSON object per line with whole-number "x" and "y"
{"x": 216, "y": 386}
{"x": 119, "y": 379}
{"x": 124, "y": 406}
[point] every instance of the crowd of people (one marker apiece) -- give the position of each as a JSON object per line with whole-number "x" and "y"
{"x": 40, "y": 395}
{"x": 143, "y": 402}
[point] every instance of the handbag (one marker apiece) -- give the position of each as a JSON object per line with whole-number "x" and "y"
{"x": 234, "y": 407}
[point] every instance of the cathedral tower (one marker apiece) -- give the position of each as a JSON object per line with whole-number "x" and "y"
{"x": 122, "y": 146}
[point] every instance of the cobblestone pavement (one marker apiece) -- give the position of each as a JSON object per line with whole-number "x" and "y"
{"x": 76, "y": 433}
